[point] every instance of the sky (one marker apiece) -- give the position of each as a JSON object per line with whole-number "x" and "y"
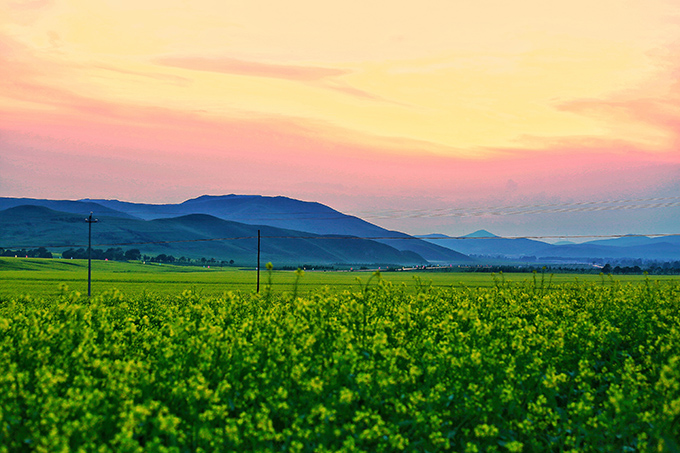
{"x": 530, "y": 117}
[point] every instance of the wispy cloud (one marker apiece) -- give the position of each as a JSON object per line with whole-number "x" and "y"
{"x": 317, "y": 76}
{"x": 174, "y": 79}
{"x": 347, "y": 89}
{"x": 647, "y": 122}
{"x": 252, "y": 68}
{"x": 646, "y": 116}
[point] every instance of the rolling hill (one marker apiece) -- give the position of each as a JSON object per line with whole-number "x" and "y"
{"x": 487, "y": 244}
{"x": 142, "y": 222}
{"x": 74, "y": 207}
{"x": 192, "y": 236}
{"x": 280, "y": 212}
{"x": 483, "y": 243}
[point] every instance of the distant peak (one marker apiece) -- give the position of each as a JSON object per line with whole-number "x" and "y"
{"x": 29, "y": 208}
{"x": 433, "y": 235}
{"x": 217, "y": 197}
{"x": 480, "y": 234}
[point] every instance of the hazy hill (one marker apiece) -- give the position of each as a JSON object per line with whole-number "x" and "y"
{"x": 249, "y": 209}
{"x": 632, "y": 241}
{"x": 487, "y": 244}
{"x": 34, "y": 226}
{"x": 484, "y": 243}
{"x": 317, "y": 219}
{"x": 480, "y": 234}
{"x": 662, "y": 251}
{"x": 288, "y": 213}
{"x": 83, "y": 207}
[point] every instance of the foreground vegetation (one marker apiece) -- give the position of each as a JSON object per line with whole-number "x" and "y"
{"x": 377, "y": 367}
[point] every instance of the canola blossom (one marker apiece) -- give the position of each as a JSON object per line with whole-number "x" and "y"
{"x": 516, "y": 367}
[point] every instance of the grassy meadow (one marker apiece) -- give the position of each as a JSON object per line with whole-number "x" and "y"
{"x": 48, "y": 277}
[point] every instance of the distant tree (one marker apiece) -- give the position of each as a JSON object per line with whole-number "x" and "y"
{"x": 81, "y": 253}
{"x": 42, "y": 252}
{"x": 133, "y": 255}
{"x": 607, "y": 269}
{"x": 161, "y": 258}
{"x": 115, "y": 254}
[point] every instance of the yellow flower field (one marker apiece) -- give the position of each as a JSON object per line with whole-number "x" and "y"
{"x": 512, "y": 367}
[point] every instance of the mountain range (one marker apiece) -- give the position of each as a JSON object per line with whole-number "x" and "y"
{"x": 482, "y": 244}
{"x": 293, "y": 232}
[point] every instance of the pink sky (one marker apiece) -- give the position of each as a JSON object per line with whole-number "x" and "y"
{"x": 393, "y": 112}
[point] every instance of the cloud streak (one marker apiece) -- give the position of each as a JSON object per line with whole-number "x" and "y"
{"x": 322, "y": 77}
{"x": 177, "y": 80}
{"x": 252, "y": 68}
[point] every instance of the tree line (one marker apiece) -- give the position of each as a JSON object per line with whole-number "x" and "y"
{"x": 667, "y": 268}
{"x": 113, "y": 254}
{"x": 40, "y": 252}
{"x": 163, "y": 258}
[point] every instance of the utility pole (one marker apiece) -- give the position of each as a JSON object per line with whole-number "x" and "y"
{"x": 89, "y": 221}
{"x": 258, "y": 261}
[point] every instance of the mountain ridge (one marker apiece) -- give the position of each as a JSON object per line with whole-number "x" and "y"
{"x": 313, "y": 218}
{"x": 194, "y": 236}
{"x": 627, "y": 247}
{"x": 287, "y": 213}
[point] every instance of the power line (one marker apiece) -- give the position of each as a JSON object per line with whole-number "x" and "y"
{"x": 340, "y": 237}
{"x": 503, "y": 210}
{"x": 584, "y": 206}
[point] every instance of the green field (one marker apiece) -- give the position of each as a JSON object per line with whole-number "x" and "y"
{"x": 498, "y": 367}
{"x": 46, "y": 277}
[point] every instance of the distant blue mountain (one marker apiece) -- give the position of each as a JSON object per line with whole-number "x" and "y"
{"x": 318, "y": 219}
{"x": 662, "y": 251}
{"x": 284, "y": 212}
{"x": 278, "y": 212}
{"x": 632, "y": 241}
{"x": 192, "y": 236}
{"x": 485, "y": 244}
{"x": 83, "y": 207}
{"x": 480, "y": 234}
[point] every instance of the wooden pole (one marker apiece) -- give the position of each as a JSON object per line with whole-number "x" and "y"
{"x": 258, "y": 261}
{"x": 89, "y": 221}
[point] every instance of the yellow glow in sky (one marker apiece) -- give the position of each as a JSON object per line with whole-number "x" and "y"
{"x": 462, "y": 76}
